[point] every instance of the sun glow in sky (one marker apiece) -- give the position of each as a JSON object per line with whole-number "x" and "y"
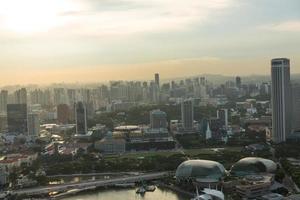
{"x": 97, "y": 40}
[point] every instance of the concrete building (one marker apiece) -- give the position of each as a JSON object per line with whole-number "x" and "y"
{"x": 63, "y": 113}
{"x": 110, "y": 145}
{"x": 187, "y": 114}
{"x": 3, "y": 122}
{"x": 3, "y": 101}
{"x": 238, "y": 82}
{"x": 296, "y": 106}
{"x": 33, "y": 124}
{"x": 157, "y": 79}
{"x": 21, "y": 96}
{"x": 254, "y": 186}
{"x": 158, "y": 119}
{"x": 222, "y": 114}
{"x": 81, "y": 118}
{"x": 17, "y": 118}
{"x": 281, "y": 99}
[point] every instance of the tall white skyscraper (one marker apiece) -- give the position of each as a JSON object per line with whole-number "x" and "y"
{"x": 281, "y": 99}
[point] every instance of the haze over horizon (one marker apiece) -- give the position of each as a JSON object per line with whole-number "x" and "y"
{"x": 45, "y": 41}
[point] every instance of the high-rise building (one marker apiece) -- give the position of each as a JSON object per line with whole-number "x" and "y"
{"x": 157, "y": 79}
{"x": 33, "y": 124}
{"x": 158, "y": 119}
{"x": 281, "y": 99}
{"x": 296, "y": 106}
{"x": 21, "y": 96}
{"x": 81, "y": 118}
{"x": 71, "y": 93}
{"x": 154, "y": 92}
{"x": 3, "y": 101}
{"x": 59, "y": 96}
{"x": 63, "y": 113}
{"x": 202, "y": 81}
{"x": 238, "y": 82}
{"x": 17, "y": 118}
{"x": 222, "y": 114}
{"x": 187, "y": 114}
{"x": 3, "y": 123}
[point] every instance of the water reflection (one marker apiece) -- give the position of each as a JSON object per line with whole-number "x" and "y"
{"x": 128, "y": 194}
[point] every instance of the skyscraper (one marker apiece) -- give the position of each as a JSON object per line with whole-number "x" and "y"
{"x": 222, "y": 114}
{"x": 21, "y": 96}
{"x": 281, "y": 99}
{"x": 63, "y": 113}
{"x": 80, "y": 116}
{"x": 296, "y": 106}
{"x": 33, "y": 124}
{"x": 187, "y": 114}
{"x": 17, "y": 118}
{"x": 157, "y": 79}
{"x": 158, "y": 119}
{"x": 238, "y": 82}
{"x": 3, "y": 100}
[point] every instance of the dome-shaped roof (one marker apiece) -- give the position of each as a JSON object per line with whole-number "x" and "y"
{"x": 200, "y": 169}
{"x": 253, "y": 165}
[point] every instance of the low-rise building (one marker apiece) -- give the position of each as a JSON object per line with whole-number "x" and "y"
{"x": 11, "y": 161}
{"x": 110, "y": 145}
{"x": 253, "y": 186}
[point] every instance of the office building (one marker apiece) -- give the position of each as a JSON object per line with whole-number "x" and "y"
{"x": 187, "y": 114}
{"x": 3, "y": 101}
{"x": 81, "y": 118}
{"x": 33, "y": 124}
{"x": 63, "y": 114}
{"x": 17, "y": 118}
{"x": 157, "y": 80}
{"x": 222, "y": 114}
{"x": 158, "y": 119}
{"x": 3, "y": 123}
{"x": 21, "y": 96}
{"x": 59, "y": 96}
{"x": 238, "y": 82}
{"x": 281, "y": 99}
{"x": 296, "y": 107}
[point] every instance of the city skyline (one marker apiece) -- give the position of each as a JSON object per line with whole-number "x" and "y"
{"x": 88, "y": 41}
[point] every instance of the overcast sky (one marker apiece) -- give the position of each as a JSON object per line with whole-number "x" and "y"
{"x": 44, "y": 41}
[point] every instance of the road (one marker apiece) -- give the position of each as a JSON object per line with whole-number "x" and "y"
{"x": 94, "y": 174}
{"x": 95, "y": 183}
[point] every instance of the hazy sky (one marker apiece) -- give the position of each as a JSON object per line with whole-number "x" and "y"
{"x": 96, "y": 40}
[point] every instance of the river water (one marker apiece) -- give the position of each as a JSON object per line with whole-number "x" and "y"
{"x": 128, "y": 194}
